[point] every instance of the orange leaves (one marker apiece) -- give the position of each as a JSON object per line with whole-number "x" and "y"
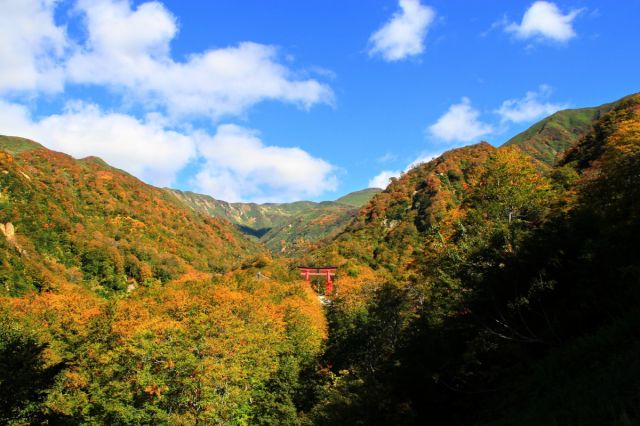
{"x": 354, "y": 291}
{"x": 75, "y": 380}
{"x": 69, "y": 306}
{"x": 192, "y": 275}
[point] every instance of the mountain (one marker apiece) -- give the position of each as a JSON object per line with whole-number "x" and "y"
{"x": 388, "y": 233}
{"x": 82, "y": 220}
{"x": 286, "y": 228}
{"x": 480, "y": 288}
{"x": 548, "y": 139}
{"x": 477, "y": 288}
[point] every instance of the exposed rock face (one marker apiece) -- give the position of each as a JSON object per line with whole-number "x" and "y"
{"x": 9, "y": 231}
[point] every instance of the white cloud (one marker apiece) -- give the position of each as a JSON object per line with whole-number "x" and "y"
{"x": 530, "y": 107}
{"x": 142, "y": 148}
{"x": 544, "y": 20}
{"x": 31, "y": 46}
{"x": 129, "y": 49}
{"x": 386, "y": 158}
{"x": 422, "y": 158}
{"x": 404, "y": 34}
{"x": 239, "y": 167}
{"x": 382, "y": 179}
{"x": 236, "y": 165}
{"x": 460, "y": 123}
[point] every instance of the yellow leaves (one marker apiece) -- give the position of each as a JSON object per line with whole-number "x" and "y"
{"x": 156, "y": 390}
{"x": 189, "y": 342}
{"x": 135, "y": 316}
{"x": 354, "y": 291}
{"x": 307, "y": 312}
{"x": 625, "y": 140}
{"x": 69, "y": 305}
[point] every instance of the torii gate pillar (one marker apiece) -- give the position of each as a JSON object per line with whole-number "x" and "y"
{"x": 328, "y": 271}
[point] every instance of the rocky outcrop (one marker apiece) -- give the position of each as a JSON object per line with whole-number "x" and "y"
{"x": 9, "y": 232}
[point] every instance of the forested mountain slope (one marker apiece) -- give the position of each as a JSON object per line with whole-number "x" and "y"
{"x": 480, "y": 289}
{"x": 86, "y": 221}
{"x": 389, "y": 232}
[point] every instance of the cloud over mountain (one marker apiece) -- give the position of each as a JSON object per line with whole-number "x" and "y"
{"x": 143, "y": 148}
{"x": 403, "y": 35}
{"x": 532, "y": 106}
{"x": 238, "y": 166}
{"x": 544, "y": 20}
{"x": 460, "y": 123}
{"x": 150, "y": 128}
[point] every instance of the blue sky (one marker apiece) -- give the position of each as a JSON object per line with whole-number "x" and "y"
{"x": 283, "y": 100}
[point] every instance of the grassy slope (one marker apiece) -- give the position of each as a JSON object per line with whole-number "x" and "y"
{"x": 548, "y": 139}
{"x": 16, "y": 145}
{"x": 359, "y": 198}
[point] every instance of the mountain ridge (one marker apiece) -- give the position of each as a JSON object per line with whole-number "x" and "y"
{"x": 283, "y": 227}
{"x": 62, "y": 209}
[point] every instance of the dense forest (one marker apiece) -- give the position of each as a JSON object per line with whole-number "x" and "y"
{"x": 487, "y": 286}
{"x": 122, "y": 306}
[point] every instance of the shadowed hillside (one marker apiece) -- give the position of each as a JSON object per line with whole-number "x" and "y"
{"x": 480, "y": 289}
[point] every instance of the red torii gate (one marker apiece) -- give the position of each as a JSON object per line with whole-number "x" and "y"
{"x": 326, "y": 271}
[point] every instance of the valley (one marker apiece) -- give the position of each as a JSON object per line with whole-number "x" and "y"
{"x": 470, "y": 291}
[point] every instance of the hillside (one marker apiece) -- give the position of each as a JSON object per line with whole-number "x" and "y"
{"x": 82, "y": 220}
{"x": 286, "y": 228}
{"x": 480, "y": 289}
{"x": 119, "y": 305}
{"x": 548, "y": 139}
{"x": 389, "y": 232}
